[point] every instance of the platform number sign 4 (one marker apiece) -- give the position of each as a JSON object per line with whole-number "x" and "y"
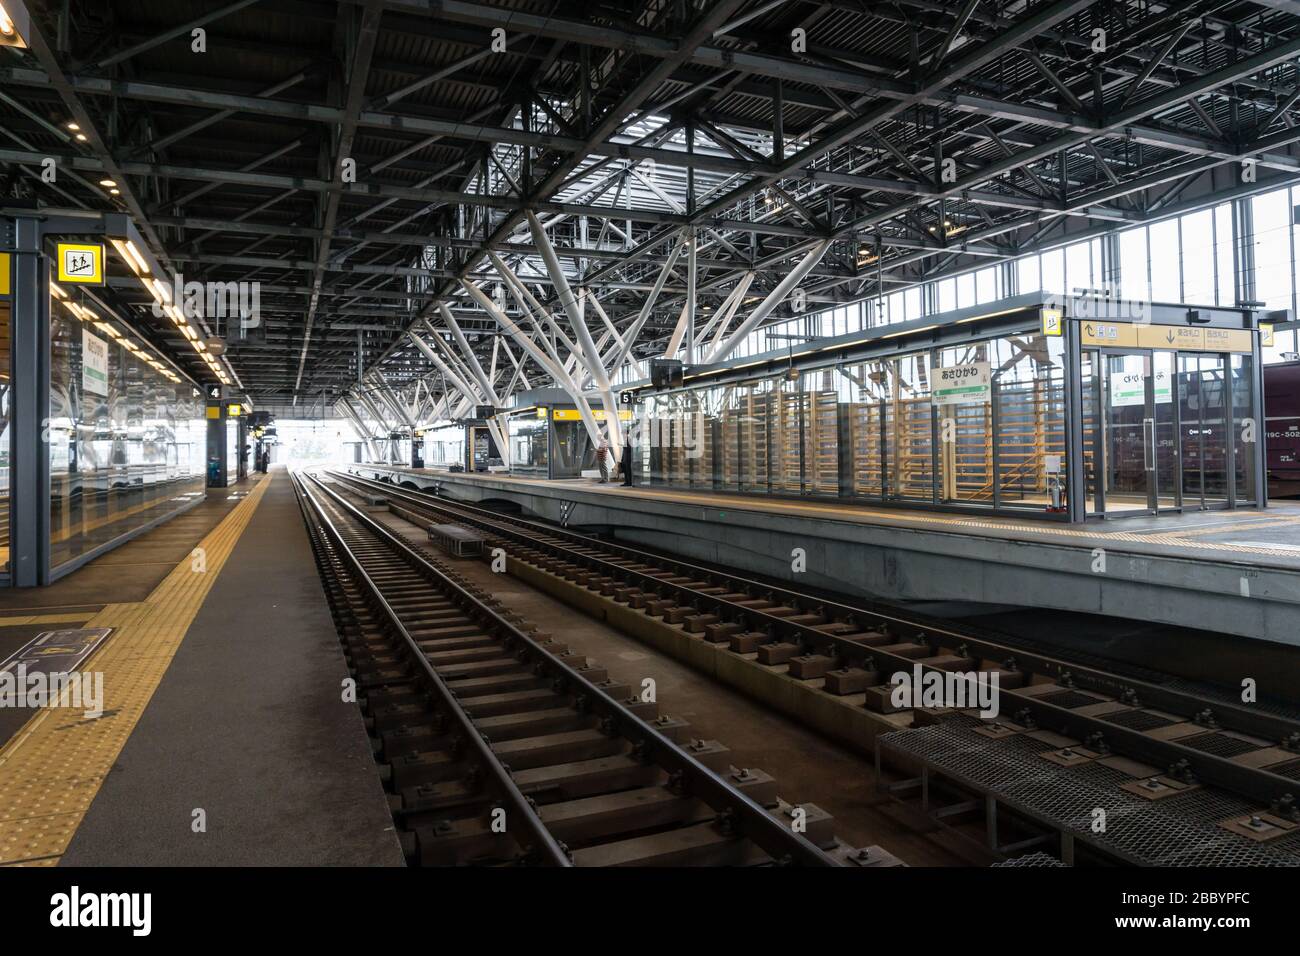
{"x": 80, "y": 262}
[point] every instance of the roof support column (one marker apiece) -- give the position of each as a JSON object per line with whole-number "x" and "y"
{"x": 589, "y": 354}
{"x": 775, "y": 297}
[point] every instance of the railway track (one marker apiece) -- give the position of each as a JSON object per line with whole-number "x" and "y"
{"x": 1169, "y": 740}
{"x": 500, "y": 747}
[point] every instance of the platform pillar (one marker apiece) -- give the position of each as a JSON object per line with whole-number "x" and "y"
{"x": 29, "y": 534}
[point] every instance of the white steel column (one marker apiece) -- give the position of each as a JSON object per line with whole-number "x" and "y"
{"x": 590, "y": 354}
{"x": 538, "y": 356}
{"x": 775, "y": 297}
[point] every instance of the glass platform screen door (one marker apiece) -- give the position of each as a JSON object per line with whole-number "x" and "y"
{"x": 1204, "y": 410}
{"x": 1136, "y": 448}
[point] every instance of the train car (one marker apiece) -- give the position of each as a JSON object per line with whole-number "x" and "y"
{"x": 1282, "y": 428}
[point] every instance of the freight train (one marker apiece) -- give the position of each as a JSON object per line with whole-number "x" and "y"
{"x": 1282, "y": 428}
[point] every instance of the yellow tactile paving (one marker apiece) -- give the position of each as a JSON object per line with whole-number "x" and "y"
{"x": 866, "y": 514}
{"x": 51, "y": 770}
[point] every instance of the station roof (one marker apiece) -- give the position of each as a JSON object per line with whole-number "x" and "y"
{"x": 359, "y": 158}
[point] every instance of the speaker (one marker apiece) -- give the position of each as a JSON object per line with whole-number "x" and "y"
{"x": 667, "y": 373}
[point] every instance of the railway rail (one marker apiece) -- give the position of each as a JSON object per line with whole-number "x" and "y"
{"x": 842, "y": 650}
{"x": 501, "y": 747}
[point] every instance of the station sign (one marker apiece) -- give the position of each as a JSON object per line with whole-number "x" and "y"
{"x": 1108, "y": 334}
{"x": 1265, "y": 334}
{"x": 1053, "y": 322}
{"x": 94, "y": 364}
{"x": 6, "y": 270}
{"x": 1174, "y": 338}
{"x": 573, "y": 415}
{"x": 80, "y": 262}
{"x": 961, "y": 384}
{"x": 1130, "y": 389}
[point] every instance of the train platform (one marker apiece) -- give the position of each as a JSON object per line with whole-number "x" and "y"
{"x": 223, "y": 738}
{"x": 1233, "y": 572}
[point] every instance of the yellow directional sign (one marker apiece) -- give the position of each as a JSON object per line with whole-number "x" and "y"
{"x": 1171, "y": 337}
{"x": 81, "y": 262}
{"x": 1108, "y": 334}
{"x": 5, "y": 269}
{"x": 1052, "y": 322}
{"x": 1266, "y": 334}
{"x": 1228, "y": 340}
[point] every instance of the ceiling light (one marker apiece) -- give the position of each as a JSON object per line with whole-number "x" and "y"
{"x": 73, "y": 126}
{"x": 107, "y": 182}
{"x": 115, "y": 192}
{"x": 81, "y": 137}
{"x": 131, "y": 255}
{"x": 58, "y": 291}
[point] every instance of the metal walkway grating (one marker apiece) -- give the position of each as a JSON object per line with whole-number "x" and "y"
{"x": 1181, "y": 830}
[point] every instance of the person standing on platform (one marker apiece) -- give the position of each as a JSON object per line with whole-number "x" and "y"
{"x": 627, "y": 461}
{"x": 602, "y": 460}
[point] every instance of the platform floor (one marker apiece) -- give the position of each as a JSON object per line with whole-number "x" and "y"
{"x": 225, "y": 739}
{"x": 1219, "y": 572}
{"x": 1261, "y": 537}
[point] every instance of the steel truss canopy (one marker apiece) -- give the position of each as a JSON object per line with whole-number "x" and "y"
{"x": 445, "y": 202}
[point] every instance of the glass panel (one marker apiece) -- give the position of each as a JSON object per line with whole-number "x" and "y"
{"x": 1128, "y": 433}
{"x": 125, "y": 451}
{"x": 1134, "y": 268}
{"x": 910, "y": 463}
{"x": 869, "y": 411}
{"x": 966, "y": 433}
{"x": 1166, "y": 277}
{"x": 1198, "y": 258}
{"x": 1093, "y": 451}
{"x": 821, "y": 439}
{"x": 1166, "y": 432}
{"x": 573, "y": 451}
{"x": 1244, "y": 424}
{"x": 1029, "y": 375}
{"x": 529, "y": 453}
{"x": 1202, "y": 396}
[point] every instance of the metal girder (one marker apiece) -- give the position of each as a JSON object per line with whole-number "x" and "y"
{"x": 358, "y": 74}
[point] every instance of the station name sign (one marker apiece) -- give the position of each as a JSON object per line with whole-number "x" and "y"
{"x": 1171, "y": 337}
{"x": 961, "y": 384}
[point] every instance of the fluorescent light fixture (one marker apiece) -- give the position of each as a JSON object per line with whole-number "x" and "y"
{"x": 73, "y": 126}
{"x": 162, "y": 293}
{"x": 135, "y": 254}
{"x": 107, "y": 183}
{"x": 58, "y": 290}
{"x": 924, "y": 328}
{"x": 108, "y": 330}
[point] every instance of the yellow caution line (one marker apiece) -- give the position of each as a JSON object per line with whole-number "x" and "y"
{"x": 52, "y": 769}
{"x": 70, "y": 618}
